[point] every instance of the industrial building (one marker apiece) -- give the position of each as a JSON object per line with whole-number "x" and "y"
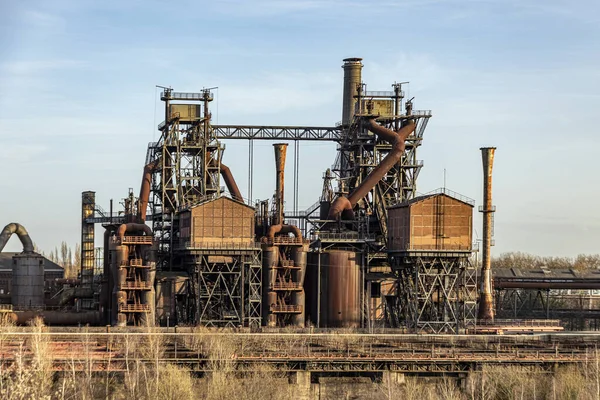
{"x": 370, "y": 253}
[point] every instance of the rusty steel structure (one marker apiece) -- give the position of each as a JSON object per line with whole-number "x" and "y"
{"x": 486, "y": 304}
{"x": 214, "y": 259}
{"x": 284, "y": 261}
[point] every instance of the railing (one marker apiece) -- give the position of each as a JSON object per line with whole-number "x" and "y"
{"x": 286, "y": 286}
{"x": 134, "y": 308}
{"x": 520, "y": 322}
{"x": 188, "y": 245}
{"x": 381, "y": 93}
{"x": 342, "y": 236}
{"x": 136, "y": 286}
{"x": 136, "y": 262}
{"x": 133, "y": 240}
{"x": 283, "y": 240}
{"x": 453, "y": 194}
{"x": 286, "y": 263}
{"x": 6, "y": 307}
{"x": 286, "y": 309}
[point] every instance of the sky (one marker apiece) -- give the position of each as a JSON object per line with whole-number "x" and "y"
{"x": 78, "y": 102}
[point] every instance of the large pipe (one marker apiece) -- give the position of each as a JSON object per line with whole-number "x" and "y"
{"x": 20, "y": 230}
{"x": 352, "y": 78}
{"x": 230, "y": 182}
{"x": 342, "y": 206}
{"x": 280, "y": 152}
{"x": 486, "y": 309}
{"x": 133, "y": 227}
{"x": 145, "y": 189}
{"x": 278, "y": 227}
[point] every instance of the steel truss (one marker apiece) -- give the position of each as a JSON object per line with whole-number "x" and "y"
{"x": 360, "y": 152}
{"x": 189, "y": 159}
{"x": 227, "y": 286}
{"x": 437, "y": 293}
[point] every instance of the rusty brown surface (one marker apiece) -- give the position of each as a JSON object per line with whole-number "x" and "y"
{"x": 340, "y": 304}
{"x": 145, "y": 189}
{"x": 280, "y": 153}
{"x": 486, "y": 309}
{"x": 231, "y": 184}
{"x": 342, "y": 206}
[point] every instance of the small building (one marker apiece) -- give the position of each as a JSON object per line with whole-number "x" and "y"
{"x": 437, "y": 221}
{"x": 217, "y": 221}
{"x": 51, "y": 271}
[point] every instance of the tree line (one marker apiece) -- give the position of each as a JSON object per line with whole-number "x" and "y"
{"x": 67, "y": 257}
{"x": 522, "y": 260}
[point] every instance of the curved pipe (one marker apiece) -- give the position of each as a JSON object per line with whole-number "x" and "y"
{"x": 132, "y": 227}
{"x": 20, "y": 230}
{"x": 145, "y": 189}
{"x": 284, "y": 229}
{"x": 342, "y": 206}
{"x": 230, "y": 182}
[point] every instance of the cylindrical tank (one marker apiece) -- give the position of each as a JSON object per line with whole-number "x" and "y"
{"x": 120, "y": 255}
{"x": 299, "y": 298}
{"x": 341, "y": 288}
{"x": 28, "y": 281}
{"x": 270, "y": 260}
{"x": 352, "y": 78}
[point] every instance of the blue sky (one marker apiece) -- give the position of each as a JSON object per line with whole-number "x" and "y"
{"x": 78, "y": 102}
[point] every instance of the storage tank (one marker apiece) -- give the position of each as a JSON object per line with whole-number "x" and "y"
{"x": 28, "y": 281}
{"x": 340, "y": 281}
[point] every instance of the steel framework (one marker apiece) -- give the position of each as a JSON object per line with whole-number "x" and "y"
{"x": 437, "y": 292}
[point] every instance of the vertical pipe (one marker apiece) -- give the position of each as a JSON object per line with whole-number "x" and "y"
{"x": 486, "y": 310}
{"x": 280, "y": 151}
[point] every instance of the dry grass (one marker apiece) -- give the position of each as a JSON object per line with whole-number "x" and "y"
{"x": 148, "y": 377}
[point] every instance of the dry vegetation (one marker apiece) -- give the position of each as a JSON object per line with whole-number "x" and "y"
{"x": 32, "y": 376}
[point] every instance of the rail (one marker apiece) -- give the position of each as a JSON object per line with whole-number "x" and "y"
{"x": 342, "y": 236}
{"x": 133, "y": 240}
{"x": 287, "y": 286}
{"x": 286, "y": 309}
{"x": 189, "y": 245}
{"x": 134, "y": 308}
{"x": 283, "y": 240}
{"x": 136, "y": 286}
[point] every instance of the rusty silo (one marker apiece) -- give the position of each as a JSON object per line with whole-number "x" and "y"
{"x": 340, "y": 288}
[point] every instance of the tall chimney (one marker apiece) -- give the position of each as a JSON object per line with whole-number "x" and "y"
{"x": 352, "y": 78}
{"x": 280, "y": 150}
{"x": 486, "y": 309}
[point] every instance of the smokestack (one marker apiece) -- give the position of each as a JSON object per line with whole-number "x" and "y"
{"x": 280, "y": 150}
{"x": 352, "y": 78}
{"x": 486, "y": 310}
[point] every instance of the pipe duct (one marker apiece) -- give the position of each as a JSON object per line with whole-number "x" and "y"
{"x": 231, "y": 184}
{"x": 133, "y": 227}
{"x": 278, "y": 227}
{"x": 486, "y": 307}
{"x": 145, "y": 190}
{"x": 20, "y": 230}
{"x": 280, "y": 153}
{"x": 343, "y": 206}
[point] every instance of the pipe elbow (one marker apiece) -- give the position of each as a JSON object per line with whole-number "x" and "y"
{"x": 21, "y": 232}
{"x": 133, "y": 227}
{"x": 341, "y": 208}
